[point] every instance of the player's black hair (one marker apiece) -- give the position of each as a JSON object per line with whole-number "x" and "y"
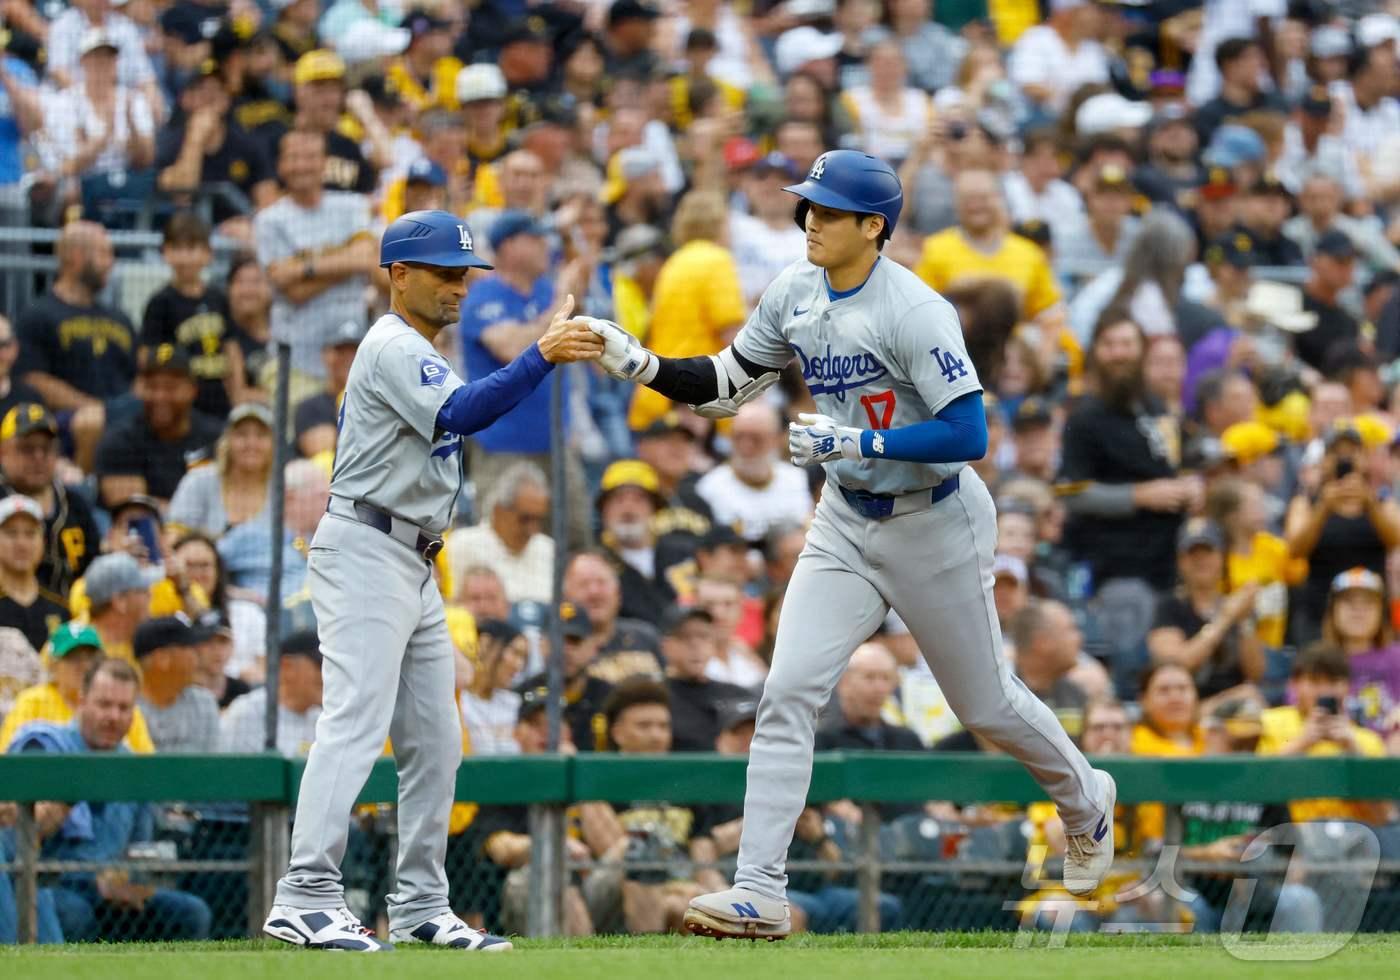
{"x": 800, "y": 214}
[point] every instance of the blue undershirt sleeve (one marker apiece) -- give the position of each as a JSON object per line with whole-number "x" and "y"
{"x": 477, "y": 404}
{"x": 957, "y": 434}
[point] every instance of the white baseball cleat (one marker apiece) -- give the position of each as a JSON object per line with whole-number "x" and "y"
{"x": 445, "y": 929}
{"x": 1088, "y": 856}
{"x": 322, "y": 929}
{"x": 738, "y": 914}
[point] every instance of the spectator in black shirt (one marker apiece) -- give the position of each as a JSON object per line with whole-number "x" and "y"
{"x": 1119, "y": 473}
{"x": 688, "y": 643}
{"x": 626, "y": 647}
{"x": 1047, "y": 641}
{"x": 191, "y": 314}
{"x": 24, "y": 604}
{"x": 250, "y": 327}
{"x": 1263, "y": 209}
{"x": 12, "y": 390}
{"x": 1332, "y": 269}
{"x": 200, "y": 147}
{"x": 870, "y": 680}
{"x": 583, "y": 693}
{"x": 316, "y": 418}
{"x": 1242, "y": 64}
{"x": 627, "y": 42}
{"x": 319, "y": 77}
{"x": 1201, "y": 628}
{"x": 29, "y": 466}
{"x": 149, "y": 453}
{"x": 77, "y": 353}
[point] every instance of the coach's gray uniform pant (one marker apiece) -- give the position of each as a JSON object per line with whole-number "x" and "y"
{"x": 388, "y": 672}
{"x": 934, "y": 567}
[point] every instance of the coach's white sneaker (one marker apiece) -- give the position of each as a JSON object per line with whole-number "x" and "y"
{"x": 1088, "y": 856}
{"x": 445, "y": 929}
{"x": 738, "y": 914}
{"x": 322, "y": 929}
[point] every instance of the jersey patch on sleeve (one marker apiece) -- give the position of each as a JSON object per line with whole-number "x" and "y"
{"x": 949, "y": 365}
{"x": 431, "y": 372}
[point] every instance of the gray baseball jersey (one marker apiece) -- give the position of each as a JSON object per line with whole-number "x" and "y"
{"x": 888, "y": 355}
{"x": 390, "y": 452}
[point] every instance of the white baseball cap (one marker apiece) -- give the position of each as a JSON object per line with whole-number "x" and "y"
{"x": 803, "y": 45}
{"x": 1374, "y": 29}
{"x": 1109, "y": 111}
{"x": 1012, "y": 566}
{"x": 368, "y": 39}
{"x": 18, "y": 503}
{"x": 477, "y": 83}
{"x": 95, "y": 38}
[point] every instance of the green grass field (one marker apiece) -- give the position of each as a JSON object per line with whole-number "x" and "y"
{"x": 917, "y": 956}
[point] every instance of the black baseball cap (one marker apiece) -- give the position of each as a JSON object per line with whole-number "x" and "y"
{"x": 137, "y": 501}
{"x": 676, "y": 617}
{"x": 574, "y": 622}
{"x": 498, "y": 629}
{"x": 667, "y": 424}
{"x": 1268, "y": 183}
{"x": 533, "y": 700}
{"x": 631, "y": 10}
{"x": 1033, "y": 413}
{"x": 1034, "y": 230}
{"x": 303, "y": 643}
{"x": 26, "y": 418}
{"x": 1335, "y": 245}
{"x": 527, "y": 30}
{"x": 1199, "y": 531}
{"x": 166, "y": 358}
{"x": 1235, "y": 248}
{"x": 161, "y": 632}
{"x": 732, "y": 714}
{"x": 721, "y": 536}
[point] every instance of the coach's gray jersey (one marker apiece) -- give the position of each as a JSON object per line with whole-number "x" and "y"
{"x": 889, "y": 355}
{"x": 390, "y": 452}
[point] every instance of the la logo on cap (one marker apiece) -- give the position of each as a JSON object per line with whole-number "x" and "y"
{"x": 465, "y": 237}
{"x": 818, "y": 168}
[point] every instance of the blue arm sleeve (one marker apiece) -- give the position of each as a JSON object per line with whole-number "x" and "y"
{"x": 477, "y": 404}
{"x": 955, "y": 435}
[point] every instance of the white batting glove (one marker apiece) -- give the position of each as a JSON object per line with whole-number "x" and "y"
{"x": 623, "y": 357}
{"x": 818, "y": 438}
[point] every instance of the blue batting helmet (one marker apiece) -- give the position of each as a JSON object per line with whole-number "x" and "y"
{"x": 848, "y": 180}
{"x": 430, "y": 238}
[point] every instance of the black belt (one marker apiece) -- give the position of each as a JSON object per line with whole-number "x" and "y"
{"x": 879, "y": 506}
{"x": 427, "y": 545}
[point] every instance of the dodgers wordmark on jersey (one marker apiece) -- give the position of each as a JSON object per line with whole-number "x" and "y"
{"x": 391, "y": 452}
{"x": 888, "y": 355}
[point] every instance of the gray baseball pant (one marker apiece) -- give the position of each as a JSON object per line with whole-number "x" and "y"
{"x": 388, "y": 672}
{"x": 934, "y": 568}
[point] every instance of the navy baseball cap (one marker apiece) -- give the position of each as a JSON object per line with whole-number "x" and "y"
{"x": 777, "y": 163}
{"x": 512, "y": 223}
{"x": 430, "y": 238}
{"x": 425, "y": 171}
{"x": 1335, "y": 245}
{"x": 161, "y": 632}
{"x": 1236, "y": 248}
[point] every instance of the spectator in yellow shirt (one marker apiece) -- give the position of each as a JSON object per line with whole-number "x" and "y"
{"x": 72, "y": 651}
{"x": 426, "y": 74}
{"x": 981, "y": 246}
{"x": 636, "y": 261}
{"x": 699, "y": 303}
{"x": 1319, "y": 725}
{"x": 1254, "y": 556}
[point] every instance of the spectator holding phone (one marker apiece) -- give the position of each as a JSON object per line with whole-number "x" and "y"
{"x": 1345, "y": 524}
{"x": 1317, "y": 724}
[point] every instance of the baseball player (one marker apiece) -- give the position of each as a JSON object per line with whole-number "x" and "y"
{"x": 388, "y": 660}
{"x": 902, "y": 523}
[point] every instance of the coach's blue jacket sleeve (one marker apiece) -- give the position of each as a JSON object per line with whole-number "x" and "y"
{"x": 477, "y": 404}
{"x": 957, "y": 434}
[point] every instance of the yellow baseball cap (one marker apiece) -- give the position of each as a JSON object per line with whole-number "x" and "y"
{"x": 27, "y": 417}
{"x": 1246, "y": 442}
{"x": 1289, "y": 416}
{"x": 630, "y": 473}
{"x": 1374, "y": 430}
{"x": 318, "y": 66}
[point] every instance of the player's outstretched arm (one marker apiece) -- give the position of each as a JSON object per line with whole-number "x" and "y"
{"x": 477, "y": 404}
{"x": 715, "y": 385}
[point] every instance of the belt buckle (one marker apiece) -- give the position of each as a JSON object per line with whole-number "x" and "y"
{"x": 871, "y": 505}
{"x": 431, "y": 549}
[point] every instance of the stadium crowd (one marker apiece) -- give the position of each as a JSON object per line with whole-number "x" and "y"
{"x": 1172, "y": 233}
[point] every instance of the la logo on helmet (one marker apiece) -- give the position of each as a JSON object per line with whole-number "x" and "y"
{"x": 818, "y": 168}
{"x": 465, "y": 237}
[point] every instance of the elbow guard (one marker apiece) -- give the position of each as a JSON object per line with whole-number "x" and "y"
{"x": 735, "y": 386}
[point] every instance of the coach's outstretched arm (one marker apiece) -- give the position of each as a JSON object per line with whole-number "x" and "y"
{"x": 715, "y": 385}
{"x": 477, "y": 404}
